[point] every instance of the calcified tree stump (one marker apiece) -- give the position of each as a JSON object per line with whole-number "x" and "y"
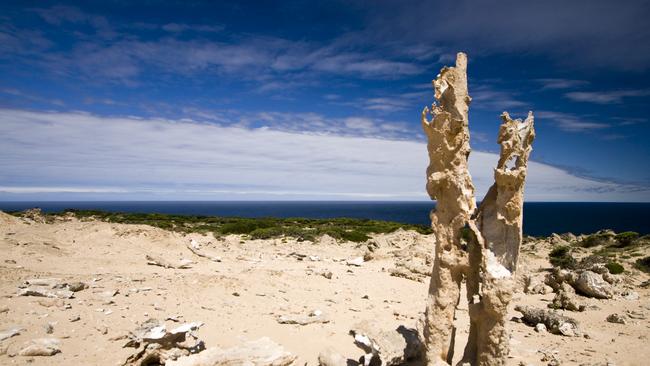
{"x": 478, "y": 245}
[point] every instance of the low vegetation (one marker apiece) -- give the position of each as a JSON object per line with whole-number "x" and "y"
{"x": 615, "y": 267}
{"x": 560, "y": 256}
{"x": 599, "y": 238}
{"x": 643, "y": 264}
{"x": 343, "y": 229}
{"x": 626, "y": 238}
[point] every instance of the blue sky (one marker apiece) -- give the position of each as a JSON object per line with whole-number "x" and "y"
{"x": 313, "y": 100}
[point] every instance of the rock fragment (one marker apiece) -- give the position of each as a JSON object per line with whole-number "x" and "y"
{"x": 315, "y": 316}
{"x": 195, "y": 248}
{"x": 565, "y": 298}
{"x": 554, "y": 322}
{"x": 534, "y": 285}
{"x": 630, "y": 295}
{"x": 157, "y": 345}
{"x": 329, "y": 357}
{"x": 161, "y": 262}
{"x": 45, "y": 292}
{"x": 261, "y": 352}
{"x": 357, "y": 262}
{"x": 77, "y": 286}
{"x": 592, "y": 284}
{"x": 387, "y": 347}
{"x": 617, "y": 318}
{"x": 41, "y": 347}
{"x": 10, "y": 332}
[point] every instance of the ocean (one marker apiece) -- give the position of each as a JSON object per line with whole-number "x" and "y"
{"x": 540, "y": 218}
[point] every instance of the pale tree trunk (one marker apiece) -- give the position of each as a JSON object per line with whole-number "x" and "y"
{"x": 480, "y": 246}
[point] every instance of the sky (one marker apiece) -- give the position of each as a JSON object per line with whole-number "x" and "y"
{"x": 314, "y": 100}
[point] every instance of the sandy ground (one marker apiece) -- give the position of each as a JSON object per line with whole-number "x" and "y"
{"x": 241, "y": 297}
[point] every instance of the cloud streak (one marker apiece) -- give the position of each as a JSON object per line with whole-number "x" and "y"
{"x": 607, "y": 97}
{"x": 78, "y": 153}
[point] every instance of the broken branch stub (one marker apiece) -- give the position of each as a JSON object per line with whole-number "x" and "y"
{"x": 478, "y": 245}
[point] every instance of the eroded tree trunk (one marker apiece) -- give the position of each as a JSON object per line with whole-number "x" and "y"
{"x": 480, "y": 246}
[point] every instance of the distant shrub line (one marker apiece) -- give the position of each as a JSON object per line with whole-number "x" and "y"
{"x": 342, "y": 229}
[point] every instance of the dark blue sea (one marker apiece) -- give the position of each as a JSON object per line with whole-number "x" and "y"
{"x": 540, "y": 218}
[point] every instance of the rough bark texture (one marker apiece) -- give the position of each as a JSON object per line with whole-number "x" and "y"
{"x": 478, "y": 245}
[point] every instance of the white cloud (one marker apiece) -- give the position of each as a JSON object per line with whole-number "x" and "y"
{"x": 606, "y": 97}
{"x": 569, "y": 122}
{"x": 557, "y": 83}
{"x": 118, "y": 157}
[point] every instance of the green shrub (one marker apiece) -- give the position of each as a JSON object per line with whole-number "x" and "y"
{"x": 559, "y": 251}
{"x": 244, "y": 226}
{"x": 596, "y": 239}
{"x": 614, "y": 267}
{"x": 560, "y": 256}
{"x": 354, "y": 236}
{"x": 626, "y": 238}
{"x": 643, "y": 264}
{"x": 356, "y": 230}
{"x": 266, "y": 233}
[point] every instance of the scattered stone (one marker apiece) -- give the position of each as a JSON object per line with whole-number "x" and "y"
{"x": 617, "y": 318}
{"x": 635, "y": 314}
{"x": 554, "y": 322}
{"x": 140, "y": 289}
{"x": 406, "y": 274}
{"x": 41, "y": 347}
{"x": 540, "y": 328}
{"x": 368, "y": 256}
{"x": 195, "y": 248}
{"x": 156, "y": 345}
{"x": 298, "y": 256}
{"x": 551, "y": 357}
{"x": 565, "y": 298}
{"x": 4, "y": 309}
{"x": 45, "y": 292}
{"x": 76, "y": 286}
{"x": 358, "y": 262}
{"x": 329, "y": 357}
{"x": 386, "y": 347}
{"x": 326, "y": 274}
{"x": 592, "y": 284}
{"x": 49, "y": 328}
{"x": 75, "y": 318}
{"x": 45, "y": 282}
{"x": 161, "y": 262}
{"x": 10, "y": 332}
{"x": 261, "y": 352}
{"x": 50, "y": 302}
{"x": 35, "y": 214}
{"x": 534, "y": 285}
{"x": 315, "y": 316}
{"x": 630, "y": 295}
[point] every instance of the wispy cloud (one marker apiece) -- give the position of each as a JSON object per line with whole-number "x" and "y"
{"x": 111, "y": 51}
{"x": 182, "y": 27}
{"x": 556, "y": 83}
{"x": 43, "y": 153}
{"x": 606, "y": 97}
{"x": 569, "y": 122}
{"x": 486, "y": 97}
{"x": 585, "y": 33}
